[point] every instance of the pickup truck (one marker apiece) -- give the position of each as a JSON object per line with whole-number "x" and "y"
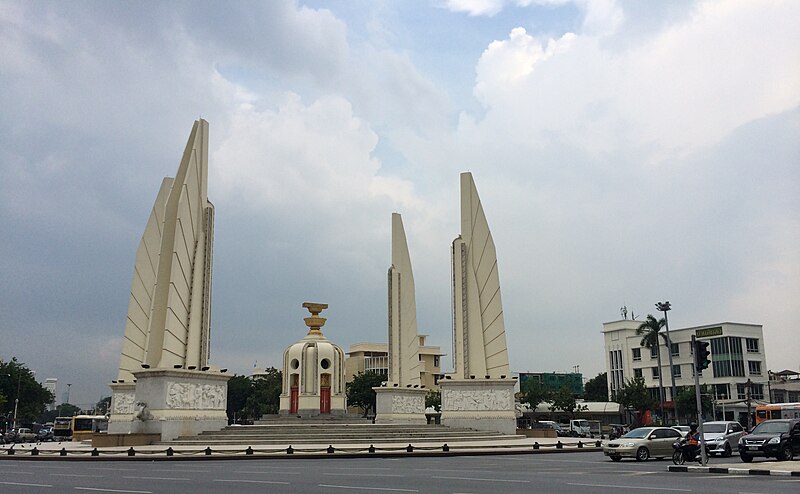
{"x": 21, "y": 435}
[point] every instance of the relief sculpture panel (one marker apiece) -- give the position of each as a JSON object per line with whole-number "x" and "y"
{"x": 195, "y": 396}
{"x": 495, "y": 399}
{"x": 123, "y": 403}
{"x": 407, "y": 404}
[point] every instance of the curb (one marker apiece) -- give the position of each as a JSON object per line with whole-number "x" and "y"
{"x": 734, "y": 471}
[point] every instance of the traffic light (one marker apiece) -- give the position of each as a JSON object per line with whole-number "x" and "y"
{"x": 702, "y": 356}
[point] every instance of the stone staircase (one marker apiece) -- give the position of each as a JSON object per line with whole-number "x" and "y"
{"x": 342, "y": 431}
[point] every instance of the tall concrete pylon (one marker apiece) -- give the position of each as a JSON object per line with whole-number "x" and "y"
{"x": 479, "y": 336}
{"x": 403, "y": 338}
{"x": 169, "y": 312}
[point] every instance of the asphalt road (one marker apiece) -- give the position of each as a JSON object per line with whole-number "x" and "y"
{"x": 547, "y": 473}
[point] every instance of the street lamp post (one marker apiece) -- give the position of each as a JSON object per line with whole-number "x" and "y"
{"x": 665, "y": 307}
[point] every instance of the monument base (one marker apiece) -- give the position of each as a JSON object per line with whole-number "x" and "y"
{"x": 308, "y": 406}
{"x": 171, "y": 403}
{"x": 481, "y": 404}
{"x": 400, "y": 405}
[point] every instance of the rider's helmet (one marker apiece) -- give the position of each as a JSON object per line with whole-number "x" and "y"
{"x": 692, "y": 427}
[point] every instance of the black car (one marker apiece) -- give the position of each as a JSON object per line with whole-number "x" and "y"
{"x": 778, "y": 438}
{"x": 45, "y": 434}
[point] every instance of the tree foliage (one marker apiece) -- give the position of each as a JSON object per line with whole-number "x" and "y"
{"x": 434, "y": 399}
{"x": 360, "y": 392}
{"x": 533, "y": 393}
{"x": 634, "y": 395}
{"x": 19, "y": 382}
{"x": 596, "y": 389}
{"x": 686, "y": 403}
{"x": 251, "y": 397}
{"x": 103, "y": 406}
{"x": 564, "y": 400}
{"x": 62, "y": 410}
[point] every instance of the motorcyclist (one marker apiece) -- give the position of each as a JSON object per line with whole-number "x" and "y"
{"x": 692, "y": 441}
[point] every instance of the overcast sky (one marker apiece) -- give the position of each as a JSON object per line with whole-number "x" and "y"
{"x": 626, "y": 152}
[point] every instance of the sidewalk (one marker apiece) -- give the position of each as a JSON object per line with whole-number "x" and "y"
{"x": 733, "y": 467}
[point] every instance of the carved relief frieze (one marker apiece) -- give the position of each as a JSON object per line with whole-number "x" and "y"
{"x": 123, "y": 403}
{"x": 490, "y": 399}
{"x": 408, "y": 404}
{"x": 195, "y": 396}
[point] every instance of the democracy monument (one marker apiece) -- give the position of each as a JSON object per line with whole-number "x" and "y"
{"x": 166, "y": 387}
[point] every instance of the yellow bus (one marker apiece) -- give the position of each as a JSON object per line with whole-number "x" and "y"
{"x": 83, "y": 426}
{"x": 777, "y": 411}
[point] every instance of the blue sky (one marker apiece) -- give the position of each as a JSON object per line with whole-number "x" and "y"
{"x": 625, "y": 152}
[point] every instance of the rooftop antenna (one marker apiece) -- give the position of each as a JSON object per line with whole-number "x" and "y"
{"x": 624, "y": 311}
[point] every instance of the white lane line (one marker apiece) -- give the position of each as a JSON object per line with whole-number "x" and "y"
{"x": 25, "y": 485}
{"x": 252, "y": 481}
{"x": 271, "y": 472}
{"x": 355, "y": 487}
{"x": 364, "y": 474}
{"x": 485, "y": 480}
{"x": 794, "y": 480}
{"x": 112, "y": 469}
{"x": 98, "y": 489}
{"x": 631, "y": 487}
{"x": 153, "y": 478}
{"x": 75, "y": 475}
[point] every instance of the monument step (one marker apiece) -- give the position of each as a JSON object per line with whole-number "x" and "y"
{"x": 340, "y": 440}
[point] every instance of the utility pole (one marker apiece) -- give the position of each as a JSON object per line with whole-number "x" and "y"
{"x": 699, "y": 402}
{"x": 747, "y": 387}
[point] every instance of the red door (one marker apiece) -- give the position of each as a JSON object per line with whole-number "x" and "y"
{"x": 325, "y": 400}
{"x": 294, "y": 392}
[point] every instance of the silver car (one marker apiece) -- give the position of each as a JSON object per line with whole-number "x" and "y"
{"x": 642, "y": 443}
{"x": 722, "y": 438}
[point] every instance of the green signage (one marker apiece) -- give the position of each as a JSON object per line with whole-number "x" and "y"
{"x": 708, "y": 332}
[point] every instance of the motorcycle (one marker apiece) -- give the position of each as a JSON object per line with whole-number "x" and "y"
{"x": 682, "y": 452}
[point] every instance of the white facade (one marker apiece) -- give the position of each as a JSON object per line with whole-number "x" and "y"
{"x": 404, "y": 359}
{"x": 737, "y": 355}
{"x": 51, "y": 384}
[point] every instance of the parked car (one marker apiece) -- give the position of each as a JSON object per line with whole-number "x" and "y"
{"x": 722, "y": 438}
{"x": 20, "y": 435}
{"x": 683, "y": 429}
{"x": 779, "y": 438}
{"x": 549, "y": 424}
{"x": 45, "y": 434}
{"x": 642, "y": 443}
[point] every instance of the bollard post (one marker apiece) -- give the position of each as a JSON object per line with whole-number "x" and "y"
{"x": 248, "y": 451}
{"x": 330, "y": 449}
{"x": 170, "y": 452}
{"x": 11, "y": 451}
{"x": 63, "y": 452}
{"x": 559, "y": 445}
{"x": 580, "y": 444}
{"x": 410, "y": 449}
{"x": 371, "y": 448}
{"x": 598, "y": 443}
{"x": 536, "y": 445}
{"x": 445, "y": 448}
{"x": 208, "y": 450}
{"x": 35, "y": 451}
{"x": 95, "y": 452}
{"x": 131, "y": 451}
{"x": 289, "y": 450}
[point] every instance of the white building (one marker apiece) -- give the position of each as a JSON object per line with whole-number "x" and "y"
{"x": 51, "y": 384}
{"x": 737, "y": 357}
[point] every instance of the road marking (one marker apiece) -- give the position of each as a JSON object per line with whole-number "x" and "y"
{"x": 793, "y": 480}
{"x": 153, "y": 478}
{"x": 271, "y": 472}
{"x": 355, "y": 487}
{"x": 631, "y": 474}
{"x": 26, "y": 485}
{"x": 631, "y": 487}
{"x": 98, "y": 489}
{"x": 485, "y": 480}
{"x": 75, "y": 475}
{"x": 252, "y": 481}
{"x": 365, "y": 474}
{"x": 112, "y": 469}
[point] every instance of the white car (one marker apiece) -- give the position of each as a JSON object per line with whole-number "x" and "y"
{"x": 722, "y": 437}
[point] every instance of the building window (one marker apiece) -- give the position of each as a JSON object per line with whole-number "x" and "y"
{"x": 436, "y": 361}
{"x": 655, "y": 394}
{"x": 752, "y": 345}
{"x": 436, "y": 379}
{"x": 754, "y": 367}
{"x": 721, "y": 392}
{"x": 726, "y": 357}
{"x": 637, "y": 373}
{"x": 676, "y": 371}
{"x": 794, "y": 397}
{"x": 655, "y": 372}
{"x": 741, "y": 391}
{"x": 637, "y": 354}
{"x": 676, "y": 350}
{"x": 653, "y": 351}
{"x": 757, "y": 391}
{"x": 616, "y": 379}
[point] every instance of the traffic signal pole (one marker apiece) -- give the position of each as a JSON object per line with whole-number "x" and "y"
{"x": 703, "y": 455}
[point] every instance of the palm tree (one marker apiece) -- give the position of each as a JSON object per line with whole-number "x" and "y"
{"x": 649, "y": 331}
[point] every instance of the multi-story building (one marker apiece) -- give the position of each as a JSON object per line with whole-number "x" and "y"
{"x": 374, "y": 357}
{"x": 554, "y": 381}
{"x": 738, "y": 362}
{"x": 50, "y": 384}
{"x": 784, "y": 386}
